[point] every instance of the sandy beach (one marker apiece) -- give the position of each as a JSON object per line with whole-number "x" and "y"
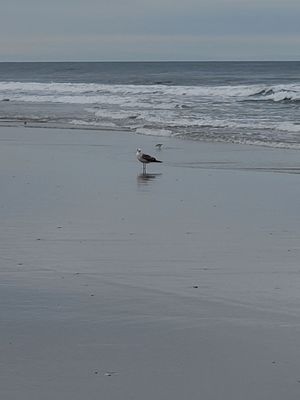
{"x": 181, "y": 284}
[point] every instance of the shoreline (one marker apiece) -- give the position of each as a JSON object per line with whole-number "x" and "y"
{"x": 38, "y": 125}
{"x": 183, "y": 283}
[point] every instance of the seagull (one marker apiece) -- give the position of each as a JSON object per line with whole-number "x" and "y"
{"x": 159, "y": 146}
{"x": 145, "y": 159}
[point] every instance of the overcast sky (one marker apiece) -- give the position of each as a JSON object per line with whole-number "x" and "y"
{"x": 132, "y": 30}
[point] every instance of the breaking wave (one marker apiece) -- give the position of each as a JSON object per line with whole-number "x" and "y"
{"x": 87, "y": 93}
{"x": 241, "y": 113}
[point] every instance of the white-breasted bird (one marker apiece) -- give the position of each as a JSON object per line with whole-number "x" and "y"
{"x": 145, "y": 159}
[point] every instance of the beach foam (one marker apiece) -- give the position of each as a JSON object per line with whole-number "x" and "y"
{"x": 253, "y": 112}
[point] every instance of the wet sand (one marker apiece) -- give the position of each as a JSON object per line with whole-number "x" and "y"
{"x": 181, "y": 284}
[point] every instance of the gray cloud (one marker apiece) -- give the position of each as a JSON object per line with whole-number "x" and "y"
{"x": 132, "y": 29}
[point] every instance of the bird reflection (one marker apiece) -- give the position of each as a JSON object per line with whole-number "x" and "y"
{"x": 146, "y": 179}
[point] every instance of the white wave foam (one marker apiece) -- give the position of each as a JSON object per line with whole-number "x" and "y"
{"x": 142, "y": 95}
{"x": 170, "y": 120}
{"x": 115, "y": 114}
{"x": 154, "y": 132}
{"x": 272, "y": 144}
{"x": 92, "y": 123}
{"x": 168, "y": 110}
{"x": 288, "y": 126}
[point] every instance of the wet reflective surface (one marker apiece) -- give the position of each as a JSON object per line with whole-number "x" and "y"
{"x": 146, "y": 179}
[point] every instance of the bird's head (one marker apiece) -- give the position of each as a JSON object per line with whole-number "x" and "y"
{"x": 138, "y": 151}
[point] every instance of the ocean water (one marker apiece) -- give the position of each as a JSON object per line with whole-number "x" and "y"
{"x": 240, "y": 102}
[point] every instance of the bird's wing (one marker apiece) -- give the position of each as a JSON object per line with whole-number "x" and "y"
{"x": 148, "y": 158}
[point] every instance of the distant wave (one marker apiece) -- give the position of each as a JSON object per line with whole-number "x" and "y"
{"x": 279, "y": 93}
{"x": 86, "y": 93}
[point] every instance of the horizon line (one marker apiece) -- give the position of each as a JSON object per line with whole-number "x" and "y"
{"x": 143, "y": 61}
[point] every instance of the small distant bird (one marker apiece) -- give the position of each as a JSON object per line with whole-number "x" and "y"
{"x": 159, "y": 146}
{"x": 145, "y": 159}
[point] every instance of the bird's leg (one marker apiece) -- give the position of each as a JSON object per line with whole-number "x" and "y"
{"x": 144, "y": 169}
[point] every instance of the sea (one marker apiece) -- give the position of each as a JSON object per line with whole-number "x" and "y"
{"x": 254, "y": 103}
